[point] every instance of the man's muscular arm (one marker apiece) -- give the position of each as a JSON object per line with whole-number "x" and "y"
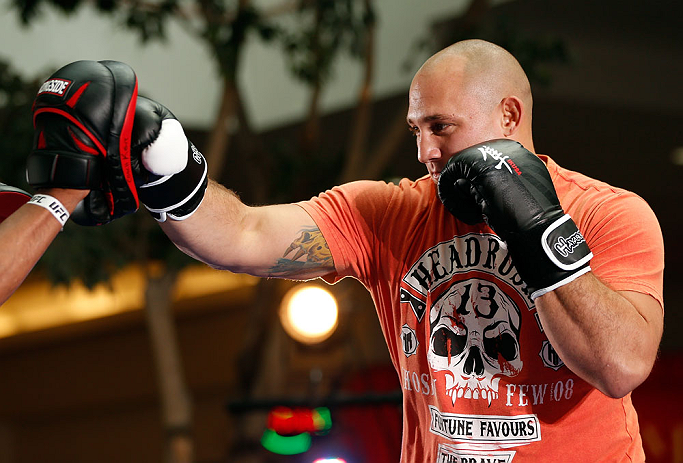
{"x": 209, "y": 222}
{"x": 609, "y": 338}
{"x": 271, "y": 241}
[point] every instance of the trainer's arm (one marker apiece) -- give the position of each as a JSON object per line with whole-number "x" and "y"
{"x": 26, "y": 234}
{"x": 609, "y": 338}
{"x": 269, "y": 241}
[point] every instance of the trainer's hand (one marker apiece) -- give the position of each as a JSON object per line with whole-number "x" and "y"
{"x": 509, "y": 187}
{"x": 83, "y": 117}
{"x": 171, "y": 174}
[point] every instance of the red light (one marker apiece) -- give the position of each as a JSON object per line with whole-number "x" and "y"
{"x": 287, "y": 421}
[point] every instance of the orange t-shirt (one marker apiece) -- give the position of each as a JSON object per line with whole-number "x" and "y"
{"x": 481, "y": 382}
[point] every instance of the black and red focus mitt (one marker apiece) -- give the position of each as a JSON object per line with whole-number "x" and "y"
{"x": 83, "y": 117}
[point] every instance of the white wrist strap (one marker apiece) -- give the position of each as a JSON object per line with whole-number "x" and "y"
{"x": 53, "y": 205}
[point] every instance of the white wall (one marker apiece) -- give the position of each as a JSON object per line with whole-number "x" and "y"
{"x": 181, "y": 73}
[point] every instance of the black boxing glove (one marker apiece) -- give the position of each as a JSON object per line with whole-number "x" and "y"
{"x": 509, "y": 187}
{"x": 83, "y": 117}
{"x": 170, "y": 173}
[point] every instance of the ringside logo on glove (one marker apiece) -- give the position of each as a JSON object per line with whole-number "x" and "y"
{"x": 83, "y": 119}
{"x": 503, "y": 184}
{"x": 55, "y": 87}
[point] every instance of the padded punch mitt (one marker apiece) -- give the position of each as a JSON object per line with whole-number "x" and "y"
{"x": 83, "y": 117}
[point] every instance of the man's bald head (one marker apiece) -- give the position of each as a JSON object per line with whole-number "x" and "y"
{"x": 468, "y": 93}
{"x": 489, "y": 70}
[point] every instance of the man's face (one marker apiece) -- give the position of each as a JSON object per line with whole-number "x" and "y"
{"x": 447, "y": 115}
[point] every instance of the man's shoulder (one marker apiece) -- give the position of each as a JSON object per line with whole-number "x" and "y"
{"x": 585, "y": 197}
{"x": 421, "y": 184}
{"x": 413, "y": 195}
{"x": 381, "y": 190}
{"x": 572, "y": 182}
{"x": 375, "y": 201}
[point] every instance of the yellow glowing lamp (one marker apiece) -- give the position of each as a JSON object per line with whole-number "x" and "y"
{"x": 309, "y": 313}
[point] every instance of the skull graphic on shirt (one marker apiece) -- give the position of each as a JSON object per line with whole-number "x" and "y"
{"x": 474, "y": 339}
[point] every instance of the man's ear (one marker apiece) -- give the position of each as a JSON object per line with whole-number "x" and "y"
{"x": 512, "y": 115}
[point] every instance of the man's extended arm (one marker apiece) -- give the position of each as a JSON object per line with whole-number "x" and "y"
{"x": 269, "y": 241}
{"x": 209, "y": 222}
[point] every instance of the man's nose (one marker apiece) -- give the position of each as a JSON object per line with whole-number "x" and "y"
{"x": 427, "y": 150}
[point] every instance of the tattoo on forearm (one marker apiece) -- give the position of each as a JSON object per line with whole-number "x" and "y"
{"x": 308, "y": 251}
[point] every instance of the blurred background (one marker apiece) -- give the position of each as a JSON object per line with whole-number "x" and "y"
{"x": 118, "y": 348}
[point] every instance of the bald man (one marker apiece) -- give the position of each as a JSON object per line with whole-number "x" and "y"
{"x": 493, "y": 367}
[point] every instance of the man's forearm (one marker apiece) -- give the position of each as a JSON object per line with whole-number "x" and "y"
{"x": 608, "y": 338}
{"x": 268, "y": 241}
{"x": 209, "y": 228}
{"x": 26, "y": 234}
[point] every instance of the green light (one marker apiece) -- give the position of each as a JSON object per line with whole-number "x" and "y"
{"x": 285, "y": 445}
{"x": 322, "y": 419}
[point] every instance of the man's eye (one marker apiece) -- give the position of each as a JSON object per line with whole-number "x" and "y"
{"x": 437, "y": 128}
{"x": 413, "y": 131}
